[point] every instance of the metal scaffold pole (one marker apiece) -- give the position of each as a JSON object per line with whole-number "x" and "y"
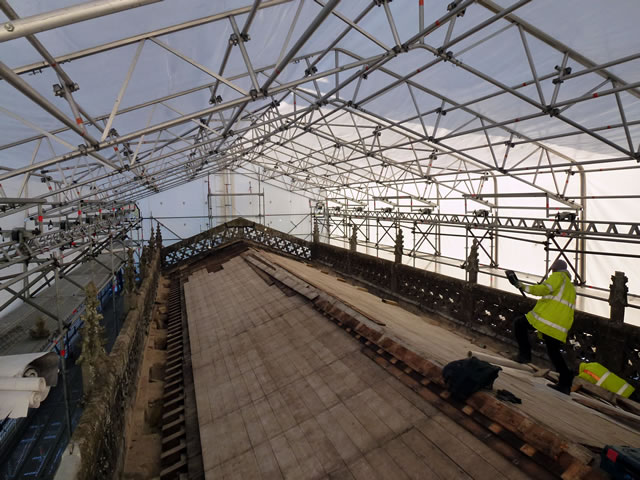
{"x": 325, "y": 130}
{"x": 63, "y": 352}
{"x": 113, "y": 286}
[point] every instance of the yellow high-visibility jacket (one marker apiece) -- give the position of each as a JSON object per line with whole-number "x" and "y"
{"x": 598, "y": 374}
{"x": 553, "y": 314}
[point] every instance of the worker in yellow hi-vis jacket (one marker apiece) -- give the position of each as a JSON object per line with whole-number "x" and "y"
{"x": 598, "y": 374}
{"x": 552, "y": 317}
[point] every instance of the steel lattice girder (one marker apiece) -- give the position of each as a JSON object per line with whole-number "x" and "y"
{"x": 557, "y": 226}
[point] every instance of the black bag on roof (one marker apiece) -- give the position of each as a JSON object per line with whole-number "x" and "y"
{"x": 467, "y": 376}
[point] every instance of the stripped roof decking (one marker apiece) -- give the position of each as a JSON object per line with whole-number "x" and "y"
{"x": 283, "y": 393}
{"x": 557, "y": 412}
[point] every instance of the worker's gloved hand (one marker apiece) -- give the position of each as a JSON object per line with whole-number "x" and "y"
{"x": 513, "y": 279}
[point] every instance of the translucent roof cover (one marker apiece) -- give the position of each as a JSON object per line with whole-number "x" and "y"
{"x": 114, "y": 100}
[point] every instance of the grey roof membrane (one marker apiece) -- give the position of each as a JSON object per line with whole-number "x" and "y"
{"x": 15, "y": 325}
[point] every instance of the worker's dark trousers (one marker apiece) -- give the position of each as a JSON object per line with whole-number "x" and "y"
{"x": 521, "y": 329}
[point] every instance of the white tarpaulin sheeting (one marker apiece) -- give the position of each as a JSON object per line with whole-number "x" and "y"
{"x": 486, "y": 102}
{"x": 25, "y": 381}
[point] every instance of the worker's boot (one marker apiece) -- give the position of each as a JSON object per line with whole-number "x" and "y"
{"x": 560, "y": 388}
{"x": 520, "y": 358}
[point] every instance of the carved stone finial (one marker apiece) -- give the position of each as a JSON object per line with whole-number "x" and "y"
{"x": 145, "y": 258}
{"x": 399, "y": 246}
{"x": 316, "y": 231}
{"x": 353, "y": 240}
{"x": 129, "y": 273}
{"x": 93, "y": 352}
{"x": 158, "y": 237}
{"x": 618, "y": 296}
{"x": 472, "y": 264}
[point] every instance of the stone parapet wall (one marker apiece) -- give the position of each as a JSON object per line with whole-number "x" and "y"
{"x": 479, "y": 308}
{"x": 96, "y": 447}
{"x": 487, "y": 310}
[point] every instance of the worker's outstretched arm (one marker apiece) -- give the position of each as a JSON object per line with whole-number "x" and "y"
{"x": 546, "y": 287}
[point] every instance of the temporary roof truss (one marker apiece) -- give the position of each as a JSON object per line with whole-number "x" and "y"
{"x": 312, "y": 117}
{"x": 330, "y": 144}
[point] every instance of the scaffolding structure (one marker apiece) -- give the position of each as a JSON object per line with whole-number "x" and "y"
{"x": 405, "y": 127}
{"x": 318, "y": 116}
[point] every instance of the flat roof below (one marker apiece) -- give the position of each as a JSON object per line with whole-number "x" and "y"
{"x": 15, "y": 325}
